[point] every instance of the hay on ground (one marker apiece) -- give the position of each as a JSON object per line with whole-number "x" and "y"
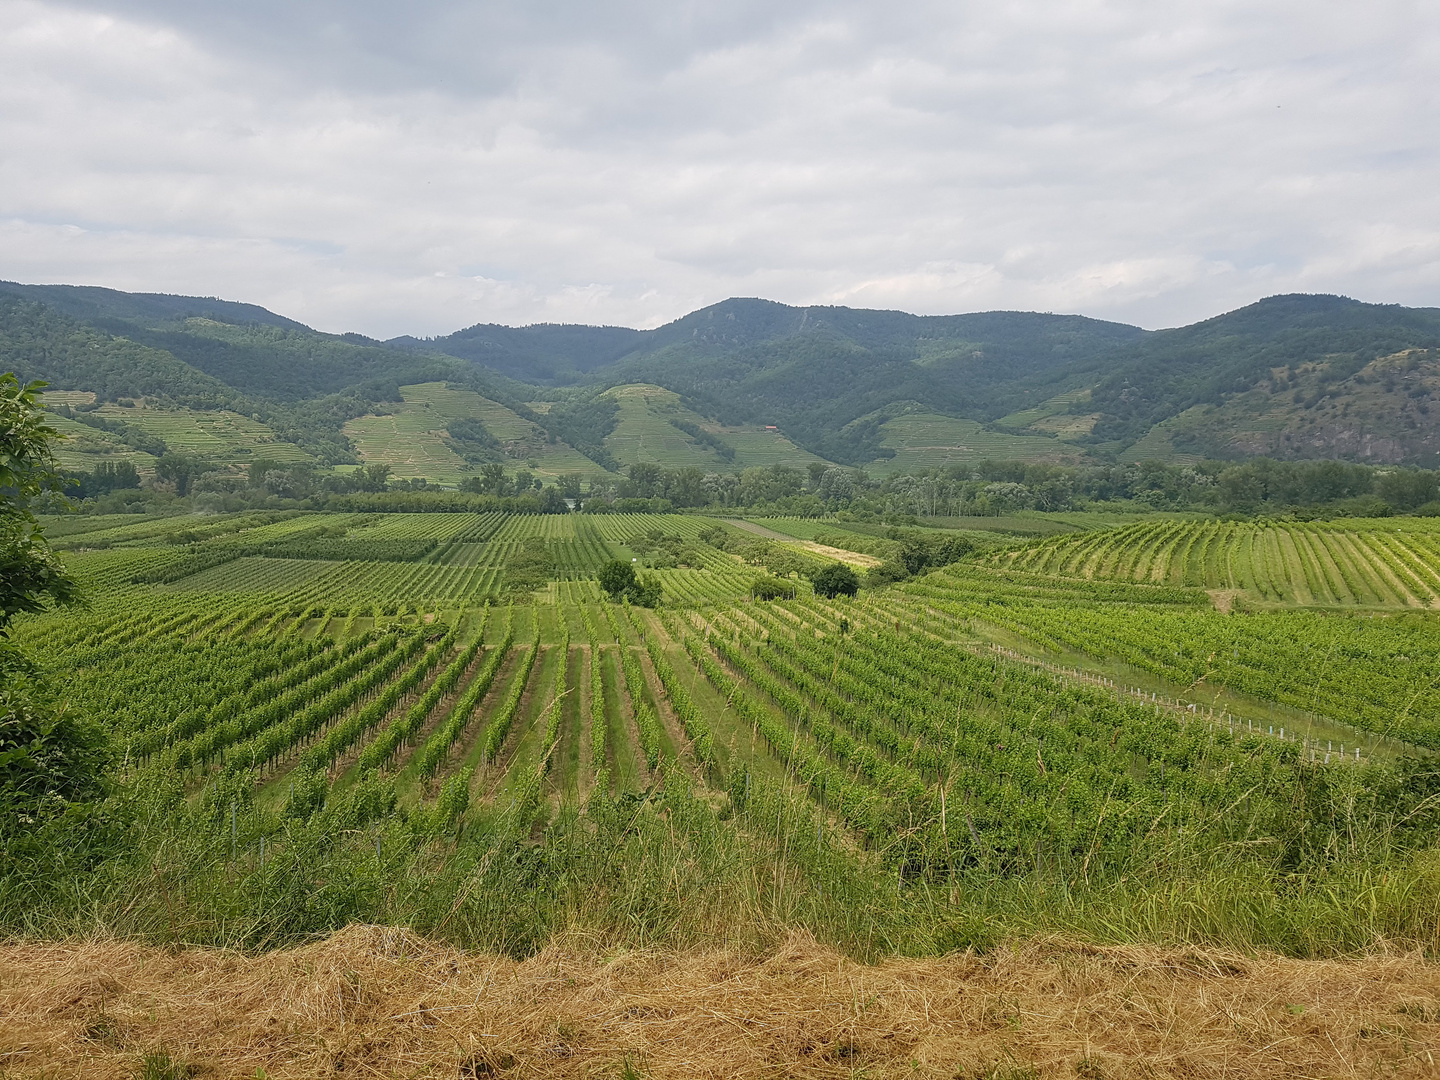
{"x": 377, "y": 1001}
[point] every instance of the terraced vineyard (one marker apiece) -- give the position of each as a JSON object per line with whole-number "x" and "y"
{"x": 1372, "y": 563}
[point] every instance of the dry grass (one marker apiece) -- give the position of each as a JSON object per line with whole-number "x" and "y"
{"x": 374, "y": 1001}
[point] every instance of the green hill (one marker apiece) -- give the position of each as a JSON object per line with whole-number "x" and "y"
{"x": 653, "y": 425}
{"x": 415, "y": 440}
{"x": 744, "y": 382}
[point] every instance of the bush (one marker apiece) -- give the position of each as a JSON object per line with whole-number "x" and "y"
{"x": 619, "y": 580}
{"x": 616, "y": 578}
{"x": 50, "y": 759}
{"x": 837, "y": 579}
{"x": 885, "y": 574}
{"x": 772, "y": 588}
{"x": 646, "y": 591}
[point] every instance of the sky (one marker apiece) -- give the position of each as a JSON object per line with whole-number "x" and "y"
{"x": 415, "y": 168}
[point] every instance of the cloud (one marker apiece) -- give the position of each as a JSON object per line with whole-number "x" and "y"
{"x": 414, "y": 169}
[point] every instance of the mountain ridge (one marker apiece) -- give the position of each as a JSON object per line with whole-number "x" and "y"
{"x": 1291, "y": 375}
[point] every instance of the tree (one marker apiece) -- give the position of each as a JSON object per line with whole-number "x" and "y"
{"x": 784, "y": 561}
{"x": 492, "y": 479}
{"x": 260, "y": 467}
{"x": 620, "y": 582}
{"x": 646, "y": 591}
{"x": 373, "y": 477}
{"x": 772, "y": 588}
{"x": 552, "y": 502}
{"x": 616, "y": 578}
{"x": 837, "y": 579}
{"x": 182, "y": 469}
{"x": 49, "y": 760}
{"x": 30, "y": 575}
{"x": 1405, "y": 489}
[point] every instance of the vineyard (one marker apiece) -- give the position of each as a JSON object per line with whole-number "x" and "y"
{"x": 1367, "y": 563}
{"x": 324, "y": 717}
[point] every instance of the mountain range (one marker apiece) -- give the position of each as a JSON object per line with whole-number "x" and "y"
{"x": 750, "y": 381}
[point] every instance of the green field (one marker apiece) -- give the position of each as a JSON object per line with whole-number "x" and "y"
{"x": 644, "y": 431}
{"x": 82, "y": 448}
{"x": 923, "y": 439}
{"x": 411, "y": 439}
{"x": 322, "y": 718}
{"x": 1381, "y": 563}
{"x": 1052, "y": 414}
{"x": 223, "y": 437}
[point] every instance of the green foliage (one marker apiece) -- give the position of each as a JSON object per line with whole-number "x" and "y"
{"x": 126, "y": 434}
{"x": 646, "y": 591}
{"x": 920, "y": 551}
{"x": 621, "y": 582}
{"x": 772, "y": 588}
{"x": 181, "y": 470}
{"x": 664, "y": 551}
{"x": 530, "y": 567}
{"x": 837, "y": 579}
{"x": 584, "y": 425}
{"x": 30, "y": 575}
{"x": 472, "y": 440}
{"x": 722, "y": 449}
{"x": 616, "y": 577}
{"x": 106, "y": 477}
{"x": 51, "y": 759}
{"x": 1173, "y": 370}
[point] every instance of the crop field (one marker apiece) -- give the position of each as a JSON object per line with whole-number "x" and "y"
{"x": 85, "y": 447}
{"x": 1057, "y": 406}
{"x": 394, "y": 560}
{"x": 224, "y": 437}
{"x": 412, "y": 439}
{"x": 644, "y": 432}
{"x": 341, "y": 717}
{"x": 929, "y": 440}
{"x": 1369, "y": 563}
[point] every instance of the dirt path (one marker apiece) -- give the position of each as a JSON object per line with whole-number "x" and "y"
{"x": 380, "y": 1001}
{"x": 854, "y": 558}
{"x": 758, "y": 530}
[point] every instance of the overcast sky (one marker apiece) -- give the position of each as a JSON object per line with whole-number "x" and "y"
{"x": 414, "y": 168}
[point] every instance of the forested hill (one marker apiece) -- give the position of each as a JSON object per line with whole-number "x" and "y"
{"x": 1296, "y": 376}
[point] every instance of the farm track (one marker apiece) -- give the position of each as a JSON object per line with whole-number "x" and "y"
{"x": 496, "y": 773}
{"x": 466, "y": 752}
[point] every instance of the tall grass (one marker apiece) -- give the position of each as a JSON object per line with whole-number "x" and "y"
{"x": 679, "y": 868}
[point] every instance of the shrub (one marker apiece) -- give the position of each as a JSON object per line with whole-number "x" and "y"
{"x": 835, "y": 580}
{"x": 772, "y": 588}
{"x": 616, "y": 577}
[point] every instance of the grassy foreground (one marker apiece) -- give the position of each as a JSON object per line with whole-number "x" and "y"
{"x": 375, "y": 1001}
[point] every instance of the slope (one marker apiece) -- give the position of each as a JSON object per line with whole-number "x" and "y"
{"x": 414, "y": 439}
{"x": 1291, "y": 376}
{"x": 654, "y": 426}
{"x": 1300, "y": 346}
